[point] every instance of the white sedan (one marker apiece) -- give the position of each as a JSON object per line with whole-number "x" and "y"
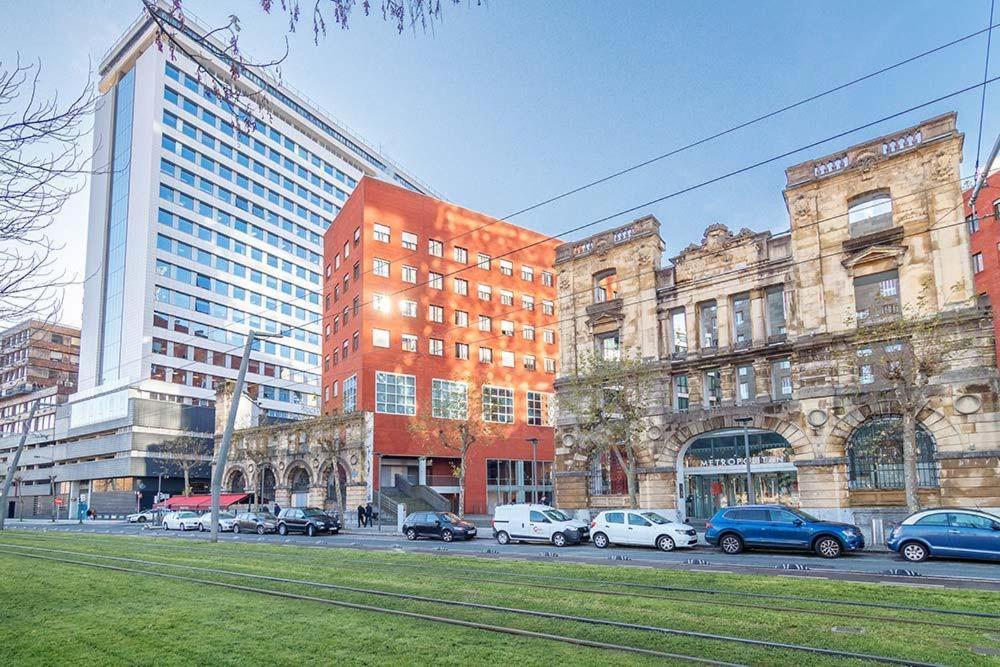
{"x": 640, "y": 528}
{"x": 180, "y": 521}
{"x": 226, "y": 521}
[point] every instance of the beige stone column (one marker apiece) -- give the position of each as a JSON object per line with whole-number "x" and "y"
{"x": 723, "y": 317}
{"x": 658, "y": 489}
{"x": 758, "y": 313}
{"x": 282, "y": 496}
{"x": 317, "y": 495}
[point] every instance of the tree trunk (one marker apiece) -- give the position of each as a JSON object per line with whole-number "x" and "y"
{"x": 187, "y": 480}
{"x": 911, "y": 481}
{"x": 630, "y": 477}
{"x": 336, "y": 489}
{"x": 461, "y": 486}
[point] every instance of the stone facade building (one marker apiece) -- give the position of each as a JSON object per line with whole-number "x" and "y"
{"x": 750, "y": 328}
{"x": 300, "y": 463}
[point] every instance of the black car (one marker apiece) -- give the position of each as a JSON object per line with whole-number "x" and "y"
{"x": 445, "y": 525}
{"x": 308, "y": 520}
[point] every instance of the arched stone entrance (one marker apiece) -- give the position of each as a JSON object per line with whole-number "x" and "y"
{"x": 237, "y": 482}
{"x": 298, "y": 486}
{"x": 712, "y": 469}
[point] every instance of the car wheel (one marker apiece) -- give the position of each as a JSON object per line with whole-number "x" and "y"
{"x": 600, "y": 540}
{"x": 236, "y": 529}
{"x": 503, "y": 537}
{"x": 731, "y": 544}
{"x": 559, "y": 540}
{"x": 310, "y": 530}
{"x": 411, "y": 534}
{"x": 201, "y": 528}
{"x": 914, "y": 552}
{"x": 282, "y": 529}
{"x": 180, "y": 526}
{"x": 828, "y": 547}
{"x": 141, "y": 519}
{"x": 665, "y": 543}
{"x": 447, "y": 536}
{"x": 260, "y": 530}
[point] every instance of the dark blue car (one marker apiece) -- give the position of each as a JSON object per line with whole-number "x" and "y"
{"x": 947, "y": 532}
{"x": 733, "y": 529}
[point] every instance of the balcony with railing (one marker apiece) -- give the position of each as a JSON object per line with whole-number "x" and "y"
{"x": 645, "y": 226}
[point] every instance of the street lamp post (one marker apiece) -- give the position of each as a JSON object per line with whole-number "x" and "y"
{"x": 227, "y": 435}
{"x": 534, "y": 468}
{"x": 159, "y": 487}
{"x": 745, "y": 421}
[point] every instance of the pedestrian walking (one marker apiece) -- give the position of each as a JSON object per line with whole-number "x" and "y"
{"x": 277, "y": 509}
{"x": 368, "y": 514}
{"x": 361, "y": 515}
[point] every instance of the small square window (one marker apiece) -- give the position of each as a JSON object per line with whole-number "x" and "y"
{"x": 436, "y": 347}
{"x": 435, "y": 248}
{"x": 380, "y": 337}
{"x": 409, "y": 240}
{"x": 409, "y": 343}
{"x": 461, "y": 255}
{"x": 382, "y": 233}
{"x": 380, "y": 267}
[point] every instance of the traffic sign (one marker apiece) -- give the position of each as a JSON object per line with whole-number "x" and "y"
{"x": 58, "y": 502}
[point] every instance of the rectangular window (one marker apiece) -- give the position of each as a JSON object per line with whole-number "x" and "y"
{"x": 409, "y": 343}
{"x": 527, "y": 332}
{"x": 548, "y": 308}
{"x": 549, "y": 336}
{"x": 395, "y": 394}
{"x": 678, "y": 332}
{"x": 781, "y": 379}
{"x": 973, "y": 222}
{"x": 483, "y": 261}
{"x": 550, "y": 365}
{"x": 409, "y": 274}
{"x": 435, "y": 280}
{"x": 507, "y": 358}
{"x": 506, "y": 328}
{"x": 498, "y": 404}
{"x": 681, "y": 395}
{"x": 435, "y": 248}
{"x": 435, "y": 347}
{"x": 449, "y": 399}
{"x": 745, "y": 390}
{"x": 539, "y": 413}
{"x": 409, "y": 240}
{"x": 461, "y": 350}
{"x": 775, "y": 299}
{"x": 866, "y": 367}
{"x": 461, "y": 318}
{"x": 709, "y": 325}
{"x": 607, "y": 346}
{"x": 382, "y": 233}
{"x": 713, "y": 388}
{"x": 529, "y": 362}
{"x": 527, "y": 302}
{"x": 380, "y": 267}
{"x": 876, "y": 296}
{"x": 380, "y": 337}
{"x": 506, "y": 267}
{"x": 527, "y": 273}
{"x": 485, "y": 323}
{"x": 380, "y": 303}
{"x": 977, "y": 262}
{"x": 486, "y": 355}
{"x": 408, "y": 308}
{"x": 351, "y": 394}
{"x": 546, "y": 279}
{"x": 435, "y": 313}
{"x": 742, "y": 331}
{"x": 506, "y": 298}
{"x": 485, "y": 292}
{"x": 461, "y": 255}
{"x": 461, "y": 286}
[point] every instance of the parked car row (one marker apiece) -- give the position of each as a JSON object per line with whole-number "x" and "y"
{"x": 308, "y": 521}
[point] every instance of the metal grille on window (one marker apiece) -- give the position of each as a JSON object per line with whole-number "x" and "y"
{"x": 875, "y": 455}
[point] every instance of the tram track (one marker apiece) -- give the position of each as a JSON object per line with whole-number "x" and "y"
{"x": 19, "y": 550}
{"x": 478, "y": 575}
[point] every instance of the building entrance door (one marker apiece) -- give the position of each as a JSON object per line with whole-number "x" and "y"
{"x": 712, "y": 472}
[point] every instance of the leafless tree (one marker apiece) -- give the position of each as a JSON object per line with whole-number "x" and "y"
{"x": 43, "y": 163}
{"x": 246, "y": 98}
{"x": 186, "y": 452}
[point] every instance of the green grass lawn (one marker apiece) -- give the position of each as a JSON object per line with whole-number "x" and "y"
{"x": 54, "y": 613}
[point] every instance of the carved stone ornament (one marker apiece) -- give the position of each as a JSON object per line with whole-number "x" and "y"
{"x": 967, "y": 404}
{"x": 654, "y": 432}
{"x": 802, "y": 206}
{"x": 602, "y": 246}
{"x": 865, "y": 164}
{"x": 942, "y": 166}
{"x": 569, "y": 440}
{"x": 817, "y": 418}
{"x": 354, "y": 459}
{"x": 315, "y": 463}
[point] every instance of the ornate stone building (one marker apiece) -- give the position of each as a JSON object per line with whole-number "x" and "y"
{"x": 746, "y": 329}
{"x": 301, "y": 463}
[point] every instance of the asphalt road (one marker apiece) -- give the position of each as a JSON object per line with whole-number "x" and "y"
{"x": 866, "y": 566}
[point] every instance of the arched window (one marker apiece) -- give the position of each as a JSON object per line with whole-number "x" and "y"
{"x": 875, "y": 455}
{"x": 605, "y": 287}
{"x": 300, "y": 481}
{"x": 237, "y": 482}
{"x": 869, "y": 213}
{"x": 331, "y": 489}
{"x": 607, "y": 475}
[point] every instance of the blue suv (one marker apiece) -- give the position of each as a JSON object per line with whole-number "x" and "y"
{"x": 947, "y": 531}
{"x": 733, "y": 529}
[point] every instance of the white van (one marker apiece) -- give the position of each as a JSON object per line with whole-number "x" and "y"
{"x": 525, "y": 522}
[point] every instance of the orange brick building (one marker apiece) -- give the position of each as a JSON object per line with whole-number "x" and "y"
{"x": 418, "y": 293}
{"x": 984, "y": 244}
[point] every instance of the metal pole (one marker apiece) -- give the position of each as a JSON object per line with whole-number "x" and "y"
{"x": 534, "y": 469}
{"x": 227, "y": 436}
{"x": 983, "y": 175}
{"x": 751, "y": 496}
{"x": 12, "y": 465}
{"x": 379, "y": 506}
{"x": 52, "y": 488}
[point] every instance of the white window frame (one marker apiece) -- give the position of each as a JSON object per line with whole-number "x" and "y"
{"x": 449, "y": 399}
{"x": 435, "y": 313}
{"x": 404, "y": 403}
{"x": 409, "y": 274}
{"x": 409, "y": 342}
{"x": 380, "y": 267}
{"x": 410, "y": 240}
{"x": 498, "y": 404}
{"x": 381, "y": 233}
{"x": 381, "y": 338}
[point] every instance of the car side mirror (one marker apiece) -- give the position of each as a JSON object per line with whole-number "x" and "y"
{"x": 798, "y": 522}
{"x": 437, "y": 523}
{"x": 996, "y": 526}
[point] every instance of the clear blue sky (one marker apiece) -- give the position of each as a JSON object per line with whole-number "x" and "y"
{"x": 512, "y": 102}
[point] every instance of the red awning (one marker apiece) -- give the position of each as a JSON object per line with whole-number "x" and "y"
{"x": 201, "y": 502}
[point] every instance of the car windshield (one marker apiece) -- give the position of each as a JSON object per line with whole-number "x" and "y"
{"x": 313, "y": 512}
{"x": 266, "y": 516}
{"x": 802, "y": 515}
{"x": 556, "y": 515}
{"x": 449, "y": 517}
{"x": 654, "y": 517}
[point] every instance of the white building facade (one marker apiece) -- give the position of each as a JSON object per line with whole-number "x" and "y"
{"x": 198, "y": 233}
